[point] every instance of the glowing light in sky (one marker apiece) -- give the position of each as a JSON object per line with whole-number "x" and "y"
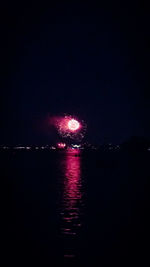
{"x": 69, "y": 126}
{"x": 73, "y": 125}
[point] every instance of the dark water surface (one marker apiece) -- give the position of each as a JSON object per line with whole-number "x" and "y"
{"x": 70, "y": 208}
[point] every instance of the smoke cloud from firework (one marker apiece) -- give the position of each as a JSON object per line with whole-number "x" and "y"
{"x": 69, "y": 126}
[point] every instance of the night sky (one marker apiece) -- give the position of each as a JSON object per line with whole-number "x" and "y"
{"x": 81, "y": 59}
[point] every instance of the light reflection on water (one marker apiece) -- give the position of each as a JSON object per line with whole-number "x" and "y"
{"x": 72, "y": 201}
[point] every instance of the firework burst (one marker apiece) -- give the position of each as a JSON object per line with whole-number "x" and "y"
{"x": 69, "y": 127}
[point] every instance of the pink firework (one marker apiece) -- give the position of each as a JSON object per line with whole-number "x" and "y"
{"x": 73, "y": 125}
{"x": 69, "y": 126}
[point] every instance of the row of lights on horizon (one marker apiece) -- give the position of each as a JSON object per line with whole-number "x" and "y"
{"x": 59, "y": 145}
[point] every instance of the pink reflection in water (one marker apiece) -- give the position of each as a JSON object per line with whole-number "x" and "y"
{"x": 72, "y": 195}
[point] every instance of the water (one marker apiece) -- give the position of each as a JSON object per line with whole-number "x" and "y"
{"x": 67, "y": 208}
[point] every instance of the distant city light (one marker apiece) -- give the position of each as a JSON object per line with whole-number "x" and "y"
{"x": 76, "y": 146}
{"x": 28, "y": 147}
{"x": 61, "y": 145}
{"x": 19, "y": 147}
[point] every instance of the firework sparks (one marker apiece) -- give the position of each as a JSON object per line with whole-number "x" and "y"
{"x": 69, "y": 126}
{"x": 73, "y": 125}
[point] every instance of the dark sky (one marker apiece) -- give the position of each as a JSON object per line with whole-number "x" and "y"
{"x": 82, "y": 59}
